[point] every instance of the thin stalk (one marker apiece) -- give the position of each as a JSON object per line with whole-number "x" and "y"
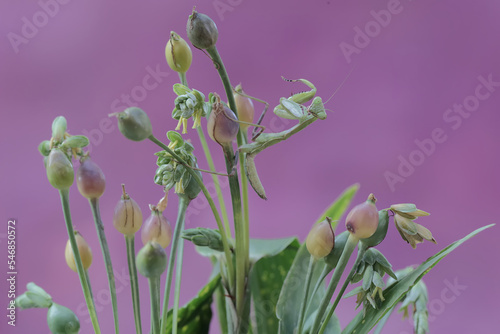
{"x": 246, "y": 212}
{"x": 306, "y": 294}
{"x": 154, "y": 282}
{"x": 94, "y": 204}
{"x": 198, "y": 180}
{"x": 361, "y": 253}
{"x": 337, "y": 274}
{"x": 177, "y": 293}
{"x": 179, "y": 227}
{"x": 87, "y": 293}
{"x": 211, "y": 165}
{"x": 134, "y": 285}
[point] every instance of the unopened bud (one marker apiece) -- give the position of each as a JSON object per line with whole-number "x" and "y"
{"x": 59, "y": 126}
{"x": 59, "y": 170}
{"x": 321, "y": 239}
{"x": 85, "y": 253}
{"x": 62, "y": 320}
{"x": 222, "y": 123}
{"x": 178, "y": 53}
{"x": 201, "y": 30}
{"x": 362, "y": 220}
{"x": 151, "y": 260}
{"x": 90, "y": 179}
{"x": 134, "y": 124}
{"x": 127, "y": 218}
{"x": 204, "y": 237}
{"x": 245, "y": 107}
{"x": 156, "y": 228}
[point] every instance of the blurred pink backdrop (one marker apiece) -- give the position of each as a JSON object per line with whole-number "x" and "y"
{"x": 411, "y": 63}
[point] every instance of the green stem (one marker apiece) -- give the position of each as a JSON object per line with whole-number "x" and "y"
{"x": 361, "y": 253}
{"x": 134, "y": 285}
{"x": 211, "y": 165}
{"x": 344, "y": 259}
{"x": 198, "y": 180}
{"x": 246, "y": 212}
{"x": 179, "y": 227}
{"x": 154, "y": 283}
{"x": 306, "y": 294}
{"x": 178, "y": 277}
{"x": 87, "y": 293}
{"x": 94, "y": 204}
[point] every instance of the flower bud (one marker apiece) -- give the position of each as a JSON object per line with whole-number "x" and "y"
{"x": 62, "y": 320}
{"x": 59, "y": 126}
{"x": 222, "y": 123}
{"x": 362, "y": 220}
{"x": 192, "y": 189}
{"x": 156, "y": 228}
{"x": 321, "y": 239}
{"x": 381, "y": 232}
{"x": 245, "y": 108}
{"x": 85, "y": 253}
{"x": 44, "y": 148}
{"x": 204, "y": 237}
{"x": 59, "y": 170}
{"x": 134, "y": 124}
{"x": 90, "y": 179}
{"x": 201, "y": 30}
{"x": 333, "y": 258}
{"x": 178, "y": 53}
{"x": 75, "y": 142}
{"x": 151, "y": 260}
{"x": 127, "y": 218}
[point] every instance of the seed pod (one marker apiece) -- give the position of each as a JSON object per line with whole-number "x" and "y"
{"x": 62, "y": 320}
{"x": 362, "y": 220}
{"x": 245, "y": 108}
{"x": 156, "y": 228}
{"x": 151, "y": 260}
{"x": 222, "y": 123}
{"x": 201, "y": 30}
{"x": 83, "y": 248}
{"x": 321, "y": 239}
{"x": 134, "y": 124}
{"x": 127, "y": 218}
{"x": 90, "y": 179}
{"x": 178, "y": 53}
{"x": 59, "y": 170}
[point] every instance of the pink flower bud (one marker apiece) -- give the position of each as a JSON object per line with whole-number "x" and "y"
{"x": 90, "y": 179}
{"x": 362, "y": 221}
{"x": 156, "y": 228}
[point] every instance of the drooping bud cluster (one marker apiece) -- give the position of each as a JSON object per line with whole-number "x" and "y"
{"x": 189, "y": 103}
{"x": 90, "y": 179}
{"x": 362, "y": 220}
{"x": 411, "y": 232}
{"x": 127, "y": 218}
{"x": 321, "y": 239}
{"x": 178, "y": 53}
{"x": 151, "y": 260}
{"x": 83, "y": 249}
{"x": 222, "y": 123}
{"x": 171, "y": 173}
{"x": 201, "y": 31}
{"x": 204, "y": 237}
{"x": 156, "y": 228}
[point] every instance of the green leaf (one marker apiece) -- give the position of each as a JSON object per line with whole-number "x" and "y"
{"x": 260, "y": 248}
{"x": 266, "y": 279}
{"x": 338, "y": 207}
{"x": 393, "y": 294}
{"x": 333, "y": 326}
{"x": 195, "y": 316}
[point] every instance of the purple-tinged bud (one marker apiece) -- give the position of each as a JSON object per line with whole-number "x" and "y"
{"x": 201, "y": 31}
{"x": 127, "y": 218}
{"x": 59, "y": 170}
{"x": 151, "y": 260}
{"x": 83, "y": 249}
{"x": 90, "y": 179}
{"x": 244, "y": 105}
{"x": 156, "y": 228}
{"x": 321, "y": 239}
{"x": 222, "y": 123}
{"x": 362, "y": 220}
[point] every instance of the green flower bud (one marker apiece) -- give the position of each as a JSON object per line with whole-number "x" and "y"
{"x": 381, "y": 232}
{"x": 192, "y": 189}
{"x": 90, "y": 179}
{"x": 156, "y": 228}
{"x": 245, "y": 108}
{"x": 204, "y": 237}
{"x": 59, "y": 170}
{"x": 178, "y": 53}
{"x": 362, "y": 220}
{"x": 321, "y": 239}
{"x": 59, "y": 126}
{"x": 134, "y": 124}
{"x": 62, "y": 320}
{"x": 151, "y": 260}
{"x": 201, "y": 30}
{"x": 83, "y": 248}
{"x": 75, "y": 142}
{"x": 44, "y": 148}
{"x": 127, "y": 218}
{"x": 222, "y": 123}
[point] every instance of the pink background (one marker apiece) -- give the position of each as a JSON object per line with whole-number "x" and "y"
{"x": 426, "y": 59}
